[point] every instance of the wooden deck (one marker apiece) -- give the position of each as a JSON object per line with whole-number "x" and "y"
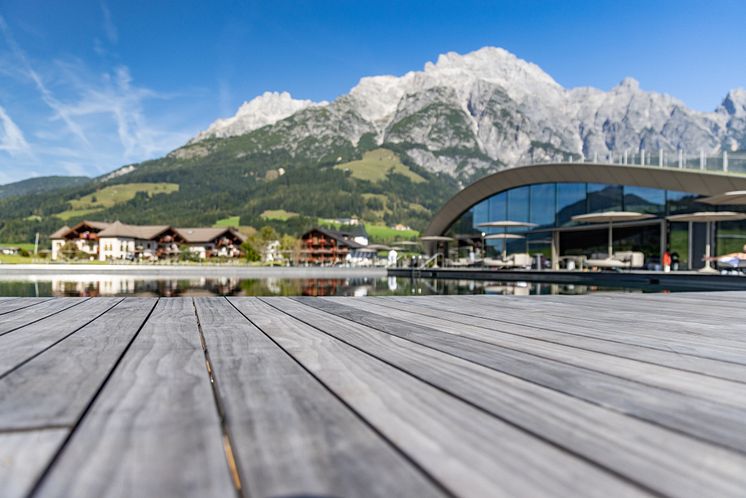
{"x": 600, "y": 395}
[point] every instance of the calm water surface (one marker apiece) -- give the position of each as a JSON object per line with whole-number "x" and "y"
{"x": 125, "y": 285}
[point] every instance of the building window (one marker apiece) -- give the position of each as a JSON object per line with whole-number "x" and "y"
{"x": 543, "y": 204}
{"x": 645, "y": 200}
{"x": 571, "y": 198}
{"x": 603, "y": 197}
{"x": 518, "y": 204}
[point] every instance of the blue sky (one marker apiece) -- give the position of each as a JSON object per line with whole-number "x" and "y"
{"x": 89, "y": 85}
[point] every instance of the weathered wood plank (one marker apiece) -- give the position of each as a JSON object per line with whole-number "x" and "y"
{"x": 24, "y": 456}
{"x": 484, "y": 457}
{"x": 23, "y": 317}
{"x": 704, "y": 318}
{"x": 721, "y": 424}
{"x": 612, "y": 329}
{"x": 637, "y": 450}
{"x": 696, "y": 364}
{"x": 705, "y": 387}
{"x": 55, "y": 387}
{"x": 662, "y": 313}
{"x": 25, "y": 343}
{"x": 154, "y": 428}
{"x": 14, "y": 304}
{"x": 291, "y": 436}
{"x": 669, "y": 313}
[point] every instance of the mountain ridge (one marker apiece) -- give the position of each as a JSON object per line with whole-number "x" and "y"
{"x": 467, "y": 90}
{"x": 458, "y": 119}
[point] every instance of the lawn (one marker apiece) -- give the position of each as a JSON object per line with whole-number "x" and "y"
{"x": 113, "y": 195}
{"x": 278, "y": 214}
{"x": 382, "y": 233}
{"x": 231, "y": 221}
{"x": 376, "y": 165}
{"x": 17, "y": 259}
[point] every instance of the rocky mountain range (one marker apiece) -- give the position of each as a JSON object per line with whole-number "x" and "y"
{"x": 466, "y": 115}
{"x": 391, "y": 151}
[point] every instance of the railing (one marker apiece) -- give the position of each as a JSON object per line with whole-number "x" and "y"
{"x": 727, "y": 162}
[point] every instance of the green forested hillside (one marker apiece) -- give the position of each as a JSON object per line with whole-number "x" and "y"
{"x": 40, "y": 184}
{"x": 246, "y": 177}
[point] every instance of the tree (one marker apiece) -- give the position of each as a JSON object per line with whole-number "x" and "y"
{"x": 250, "y": 251}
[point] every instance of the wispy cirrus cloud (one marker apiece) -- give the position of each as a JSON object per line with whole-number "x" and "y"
{"x": 45, "y": 93}
{"x": 12, "y": 139}
{"x": 81, "y": 115}
{"x": 112, "y": 34}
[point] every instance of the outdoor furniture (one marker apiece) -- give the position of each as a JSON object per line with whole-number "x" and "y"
{"x": 504, "y": 224}
{"x": 619, "y": 260}
{"x": 610, "y": 217}
{"x": 578, "y": 262}
{"x": 708, "y": 217}
{"x": 516, "y": 260}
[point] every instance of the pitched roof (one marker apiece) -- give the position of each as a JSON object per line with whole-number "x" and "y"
{"x": 200, "y": 235}
{"x": 98, "y": 225}
{"x": 355, "y": 231}
{"x": 60, "y": 234}
{"x": 338, "y": 236}
{"x": 145, "y": 232}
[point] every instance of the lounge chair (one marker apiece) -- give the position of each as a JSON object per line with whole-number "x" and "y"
{"x": 516, "y": 260}
{"x": 621, "y": 259}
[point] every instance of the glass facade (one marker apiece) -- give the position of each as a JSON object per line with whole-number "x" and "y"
{"x": 551, "y": 206}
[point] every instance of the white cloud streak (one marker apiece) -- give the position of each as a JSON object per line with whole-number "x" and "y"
{"x": 12, "y": 139}
{"x": 109, "y": 28}
{"x": 44, "y": 92}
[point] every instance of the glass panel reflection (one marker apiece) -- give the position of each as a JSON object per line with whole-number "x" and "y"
{"x": 570, "y": 201}
{"x": 543, "y": 204}
{"x": 645, "y": 200}
{"x": 603, "y": 197}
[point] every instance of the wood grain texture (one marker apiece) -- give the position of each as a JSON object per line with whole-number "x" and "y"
{"x": 23, "y": 317}
{"x": 23, "y": 457}
{"x": 478, "y": 458}
{"x": 721, "y": 424}
{"x": 629, "y": 447}
{"x": 706, "y": 387}
{"x": 696, "y": 364}
{"x": 23, "y": 344}
{"x": 600, "y": 395}
{"x": 153, "y": 431}
{"x": 680, "y": 316}
{"x": 677, "y": 337}
{"x": 292, "y": 437}
{"x": 13, "y": 304}
{"x": 55, "y": 387}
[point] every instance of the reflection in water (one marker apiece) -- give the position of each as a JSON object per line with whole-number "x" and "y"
{"x": 125, "y": 285}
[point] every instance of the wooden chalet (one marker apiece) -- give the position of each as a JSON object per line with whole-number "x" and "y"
{"x": 320, "y": 246}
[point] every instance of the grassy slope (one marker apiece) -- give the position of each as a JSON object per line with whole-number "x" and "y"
{"x": 231, "y": 221}
{"x": 278, "y": 214}
{"x": 111, "y": 196}
{"x": 382, "y": 233}
{"x": 376, "y": 165}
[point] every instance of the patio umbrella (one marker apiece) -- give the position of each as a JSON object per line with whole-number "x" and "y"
{"x": 503, "y": 237}
{"x": 708, "y": 217}
{"x": 379, "y": 247}
{"x": 736, "y": 197}
{"x": 610, "y": 217}
{"x": 504, "y": 224}
{"x": 436, "y": 239}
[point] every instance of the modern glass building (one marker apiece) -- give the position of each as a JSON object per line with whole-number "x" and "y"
{"x": 549, "y": 196}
